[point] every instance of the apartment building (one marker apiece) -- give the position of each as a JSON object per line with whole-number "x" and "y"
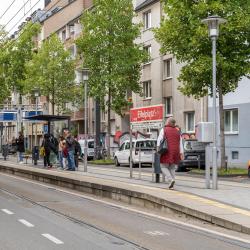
{"x": 160, "y": 74}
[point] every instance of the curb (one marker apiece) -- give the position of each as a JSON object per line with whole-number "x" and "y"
{"x": 120, "y": 194}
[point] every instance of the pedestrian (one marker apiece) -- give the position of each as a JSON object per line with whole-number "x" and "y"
{"x": 71, "y": 149}
{"x": 20, "y": 147}
{"x": 170, "y": 160}
{"x": 47, "y": 150}
{"x": 61, "y": 146}
{"x": 78, "y": 151}
{"x": 65, "y": 155}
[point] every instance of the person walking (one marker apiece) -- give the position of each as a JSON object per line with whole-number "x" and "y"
{"x": 71, "y": 149}
{"x": 170, "y": 160}
{"x": 20, "y": 147}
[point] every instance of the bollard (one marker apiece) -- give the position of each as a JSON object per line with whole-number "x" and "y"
{"x": 35, "y": 154}
{"x": 157, "y": 167}
{"x": 249, "y": 168}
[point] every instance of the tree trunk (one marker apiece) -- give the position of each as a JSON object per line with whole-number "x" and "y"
{"x": 109, "y": 125}
{"x": 222, "y": 129}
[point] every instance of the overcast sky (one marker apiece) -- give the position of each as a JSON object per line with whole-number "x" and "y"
{"x": 12, "y": 12}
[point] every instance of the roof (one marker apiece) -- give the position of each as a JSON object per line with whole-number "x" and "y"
{"x": 48, "y": 118}
{"x": 145, "y": 4}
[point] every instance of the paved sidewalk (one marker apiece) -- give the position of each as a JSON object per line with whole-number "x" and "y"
{"x": 231, "y": 203}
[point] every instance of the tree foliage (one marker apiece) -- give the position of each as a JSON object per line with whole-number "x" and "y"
{"x": 182, "y": 34}
{"x": 110, "y": 53}
{"x": 51, "y": 70}
{"x": 18, "y": 53}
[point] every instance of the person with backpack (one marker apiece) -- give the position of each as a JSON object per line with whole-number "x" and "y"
{"x": 46, "y": 144}
{"x": 78, "y": 151}
{"x": 173, "y": 153}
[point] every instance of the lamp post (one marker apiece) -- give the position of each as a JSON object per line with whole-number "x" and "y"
{"x": 35, "y": 149}
{"x": 213, "y": 23}
{"x": 85, "y": 78}
{"x": 36, "y": 94}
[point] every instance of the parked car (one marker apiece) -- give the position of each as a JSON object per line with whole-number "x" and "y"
{"x": 147, "y": 146}
{"x": 91, "y": 148}
{"x": 194, "y": 154}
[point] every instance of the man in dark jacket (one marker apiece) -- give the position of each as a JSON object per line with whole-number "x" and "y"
{"x": 71, "y": 149}
{"x": 170, "y": 160}
{"x": 78, "y": 151}
{"x": 20, "y": 147}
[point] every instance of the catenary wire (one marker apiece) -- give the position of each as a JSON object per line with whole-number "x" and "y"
{"x": 7, "y": 9}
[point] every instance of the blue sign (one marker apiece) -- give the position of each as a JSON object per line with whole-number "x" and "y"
{"x": 32, "y": 113}
{"x": 8, "y": 116}
{"x": 45, "y": 129}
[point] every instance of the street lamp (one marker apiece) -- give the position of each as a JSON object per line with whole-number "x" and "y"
{"x": 213, "y": 23}
{"x": 85, "y": 78}
{"x": 36, "y": 92}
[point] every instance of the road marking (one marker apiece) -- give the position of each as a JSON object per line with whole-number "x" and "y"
{"x": 26, "y": 223}
{"x": 127, "y": 208}
{"x": 7, "y": 211}
{"x": 52, "y": 238}
{"x": 156, "y": 233}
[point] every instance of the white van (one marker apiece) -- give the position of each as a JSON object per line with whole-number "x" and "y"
{"x": 91, "y": 148}
{"x": 147, "y": 149}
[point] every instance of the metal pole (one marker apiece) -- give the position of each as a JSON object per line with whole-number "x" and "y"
{"x": 85, "y": 127}
{"x": 215, "y": 181}
{"x": 139, "y": 161}
{"x": 36, "y": 123}
{"x": 130, "y": 153}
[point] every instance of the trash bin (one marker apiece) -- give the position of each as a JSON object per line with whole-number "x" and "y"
{"x": 157, "y": 167}
{"x": 35, "y": 154}
{"x": 5, "y": 151}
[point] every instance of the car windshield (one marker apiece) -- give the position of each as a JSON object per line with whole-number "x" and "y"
{"x": 91, "y": 144}
{"x": 146, "y": 144}
{"x": 193, "y": 145}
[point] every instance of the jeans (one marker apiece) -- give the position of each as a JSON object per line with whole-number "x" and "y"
{"x": 20, "y": 154}
{"x": 60, "y": 155}
{"x": 71, "y": 160}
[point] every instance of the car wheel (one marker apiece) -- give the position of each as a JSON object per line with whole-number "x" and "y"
{"x": 117, "y": 164}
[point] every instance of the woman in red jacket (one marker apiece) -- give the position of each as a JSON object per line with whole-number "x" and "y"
{"x": 170, "y": 160}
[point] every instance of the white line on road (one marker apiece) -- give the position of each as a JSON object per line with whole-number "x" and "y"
{"x": 52, "y": 238}
{"x": 7, "y": 211}
{"x": 201, "y": 229}
{"x": 156, "y": 233}
{"x": 26, "y": 223}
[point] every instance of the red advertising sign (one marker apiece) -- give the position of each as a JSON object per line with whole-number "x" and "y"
{"x": 146, "y": 114}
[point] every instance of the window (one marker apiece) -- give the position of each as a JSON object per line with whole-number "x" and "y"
{"x": 63, "y": 35}
{"x": 71, "y": 29}
{"x": 167, "y": 68}
{"x": 231, "y": 121}
{"x": 235, "y": 155}
{"x": 147, "y": 20}
{"x": 147, "y": 89}
{"x": 122, "y": 147}
{"x": 168, "y": 106}
{"x": 189, "y": 121}
{"x": 148, "y": 49}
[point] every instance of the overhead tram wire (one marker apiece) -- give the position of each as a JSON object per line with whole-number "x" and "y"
{"x": 7, "y": 9}
{"x": 45, "y": 13}
{"x": 16, "y": 14}
{"x": 21, "y": 18}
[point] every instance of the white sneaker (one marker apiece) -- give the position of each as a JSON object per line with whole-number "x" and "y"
{"x": 171, "y": 186}
{"x": 20, "y": 162}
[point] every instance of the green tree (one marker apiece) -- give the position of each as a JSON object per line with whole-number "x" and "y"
{"x": 111, "y": 55}
{"x": 5, "y": 90}
{"x": 18, "y": 53}
{"x": 182, "y": 34}
{"x": 51, "y": 70}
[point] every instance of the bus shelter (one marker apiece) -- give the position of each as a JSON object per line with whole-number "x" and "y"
{"x": 150, "y": 117}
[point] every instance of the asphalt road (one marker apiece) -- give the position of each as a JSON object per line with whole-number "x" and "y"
{"x": 37, "y": 216}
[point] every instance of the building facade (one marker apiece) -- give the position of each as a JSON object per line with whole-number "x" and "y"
{"x": 160, "y": 74}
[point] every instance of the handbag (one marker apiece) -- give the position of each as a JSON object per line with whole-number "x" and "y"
{"x": 42, "y": 151}
{"x": 163, "y": 148}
